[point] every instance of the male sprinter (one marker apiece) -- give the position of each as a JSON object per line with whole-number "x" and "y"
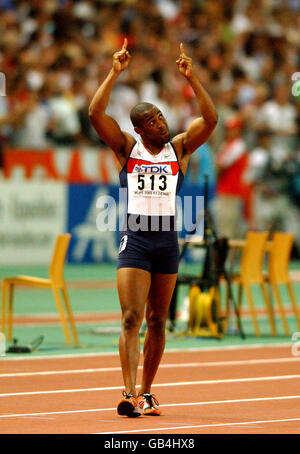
{"x": 152, "y": 170}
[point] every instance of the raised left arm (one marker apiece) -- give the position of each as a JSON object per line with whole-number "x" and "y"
{"x": 201, "y": 128}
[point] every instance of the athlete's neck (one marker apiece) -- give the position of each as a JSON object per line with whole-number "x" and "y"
{"x": 153, "y": 148}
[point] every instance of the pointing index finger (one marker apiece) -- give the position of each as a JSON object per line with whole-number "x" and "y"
{"x": 182, "y": 52}
{"x": 124, "y": 47}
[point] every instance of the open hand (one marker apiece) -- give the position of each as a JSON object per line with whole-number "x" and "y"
{"x": 121, "y": 59}
{"x": 184, "y": 63}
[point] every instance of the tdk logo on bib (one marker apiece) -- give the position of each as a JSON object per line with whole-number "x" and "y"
{"x": 152, "y": 169}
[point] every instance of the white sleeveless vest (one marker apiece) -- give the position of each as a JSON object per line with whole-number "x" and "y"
{"x": 152, "y": 181}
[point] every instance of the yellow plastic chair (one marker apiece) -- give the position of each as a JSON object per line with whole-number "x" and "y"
{"x": 278, "y": 273}
{"x": 56, "y": 283}
{"x": 251, "y": 273}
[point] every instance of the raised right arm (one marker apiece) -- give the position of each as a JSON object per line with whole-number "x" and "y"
{"x": 107, "y": 128}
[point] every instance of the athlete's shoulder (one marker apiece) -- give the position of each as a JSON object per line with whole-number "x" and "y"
{"x": 130, "y": 142}
{"x": 137, "y": 149}
{"x": 178, "y": 144}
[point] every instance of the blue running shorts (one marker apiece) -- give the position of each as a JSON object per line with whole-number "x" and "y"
{"x": 156, "y": 252}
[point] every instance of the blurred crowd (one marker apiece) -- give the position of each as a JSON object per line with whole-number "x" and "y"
{"x": 55, "y": 53}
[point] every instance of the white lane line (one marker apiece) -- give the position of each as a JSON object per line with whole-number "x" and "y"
{"x": 153, "y": 430}
{"x": 157, "y": 385}
{"x": 286, "y": 344}
{"x": 162, "y": 366}
{"x": 183, "y": 404}
{"x": 36, "y": 417}
{"x": 66, "y": 412}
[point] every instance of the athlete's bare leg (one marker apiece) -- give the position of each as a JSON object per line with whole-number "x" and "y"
{"x": 161, "y": 291}
{"x": 133, "y": 289}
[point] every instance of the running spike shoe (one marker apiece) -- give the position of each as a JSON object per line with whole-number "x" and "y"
{"x": 149, "y": 404}
{"x": 128, "y": 406}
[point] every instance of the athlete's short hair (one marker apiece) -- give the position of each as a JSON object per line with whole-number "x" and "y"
{"x": 138, "y": 111}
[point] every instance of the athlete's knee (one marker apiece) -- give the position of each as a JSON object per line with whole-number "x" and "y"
{"x": 156, "y": 322}
{"x": 131, "y": 319}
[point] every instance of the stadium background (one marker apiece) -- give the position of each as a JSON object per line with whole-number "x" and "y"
{"x": 53, "y": 166}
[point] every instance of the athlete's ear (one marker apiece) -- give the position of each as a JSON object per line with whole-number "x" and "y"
{"x": 138, "y": 130}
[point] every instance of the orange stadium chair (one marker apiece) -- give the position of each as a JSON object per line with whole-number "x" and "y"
{"x": 251, "y": 273}
{"x": 278, "y": 273}
{"x": 56, "y": 283}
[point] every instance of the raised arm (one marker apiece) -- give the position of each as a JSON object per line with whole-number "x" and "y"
{"x": 201, "y": 128}
{"x": 107, "y": 128}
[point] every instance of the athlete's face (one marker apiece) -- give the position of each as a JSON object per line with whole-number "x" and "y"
{"x": 154, "y": 126}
